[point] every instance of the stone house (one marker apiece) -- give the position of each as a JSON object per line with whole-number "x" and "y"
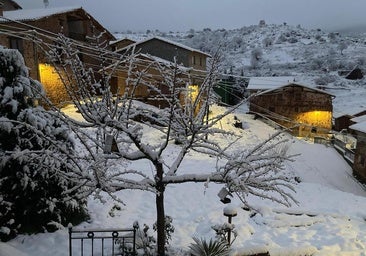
{"x": 359, "y": 164}
{"x": 305, "y": 111}
{"x": 18, "y": 25}
{"x": 166, "y": 52}
{"x": 344, "y": 120}
{"x": 170, "y": 50}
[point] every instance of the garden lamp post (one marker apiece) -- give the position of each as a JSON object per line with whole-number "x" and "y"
{"x": 230, "y": 212}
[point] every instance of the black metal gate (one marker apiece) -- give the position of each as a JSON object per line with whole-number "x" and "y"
{"x": 102, "y": 242}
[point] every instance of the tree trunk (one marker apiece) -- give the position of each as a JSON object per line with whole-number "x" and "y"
{"x": 160, "y": 212}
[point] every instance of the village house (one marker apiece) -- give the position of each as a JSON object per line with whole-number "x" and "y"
{"x": 305, "y": 111}
{"x": 171, "y": 55}
{"x": 359, "y": 164}
{"x": 18, "y": 25}
{"x": 168, "y": 50}
{"x": 344, "y": 120}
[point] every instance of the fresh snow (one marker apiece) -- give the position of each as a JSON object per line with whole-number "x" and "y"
{"x": 329, "y": 218}
{"x": 33, "y": 14}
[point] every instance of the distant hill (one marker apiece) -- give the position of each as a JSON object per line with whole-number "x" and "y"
{"x": 279, "y": 50}
{"x": 358, "y": 31}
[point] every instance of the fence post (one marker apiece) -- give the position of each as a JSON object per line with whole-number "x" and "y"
{"x": 70, "y": 240}
{"x": 135, "y": 227}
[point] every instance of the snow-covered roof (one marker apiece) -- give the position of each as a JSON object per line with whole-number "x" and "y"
{"x": 361, "y": 127}
{"x": 359, "y": 119}
{"x": 297, "y": 84}
{"x": 271, "y": 82}
{"x": 169, "y": 42}
{"x": 156, "y": 59}
{"x": 352, "y": 112}
{"x": 35, "y": 14}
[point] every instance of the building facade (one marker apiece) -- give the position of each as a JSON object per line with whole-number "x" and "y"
{"x": 359, "y": 164}
{"x": 303, "y": 110}
{"x": 19, "y": 26}
{"x": 192, "y": 64}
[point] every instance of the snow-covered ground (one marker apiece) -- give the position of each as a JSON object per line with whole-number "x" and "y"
{"x": 329, "y": 219}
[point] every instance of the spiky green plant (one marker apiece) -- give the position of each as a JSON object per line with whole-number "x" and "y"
{"x": 212, "y": 248}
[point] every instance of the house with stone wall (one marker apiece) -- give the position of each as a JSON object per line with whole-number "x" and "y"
{"x": 169, "y": 54}
{"x": 18, "y": 26}
{"x": 305, "y": 111}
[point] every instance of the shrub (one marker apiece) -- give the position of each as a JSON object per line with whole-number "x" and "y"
{"x": 33, "y": 195}
{"x": 212, "y": 248}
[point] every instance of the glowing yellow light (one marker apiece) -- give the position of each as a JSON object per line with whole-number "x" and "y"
{"x": 321, "y": 120}
{"x": 193, "y": 92}
{"x": 52, "y": 83}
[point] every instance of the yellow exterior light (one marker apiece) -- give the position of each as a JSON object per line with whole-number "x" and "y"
{"x": 193, "y": 92}
{"x": 52, "y": 83}
{"x": 322, "y": 119}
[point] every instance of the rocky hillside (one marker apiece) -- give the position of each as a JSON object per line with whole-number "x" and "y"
{"x": 278, "y": 50}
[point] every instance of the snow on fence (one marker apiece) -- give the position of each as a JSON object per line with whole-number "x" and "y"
{"x": 348, "y": 154}
{"x": 102, "y": 242}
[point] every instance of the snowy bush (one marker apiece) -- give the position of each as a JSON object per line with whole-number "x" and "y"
{"x": 256, "y": 57}
{"x": 33, "y": 194}
{"x": 325, "y": 79}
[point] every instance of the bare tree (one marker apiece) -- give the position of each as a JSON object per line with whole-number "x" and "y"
{"x": 119, "y": 120}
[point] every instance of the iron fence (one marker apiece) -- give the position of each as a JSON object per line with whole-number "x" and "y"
{"x": 102, "y": 242}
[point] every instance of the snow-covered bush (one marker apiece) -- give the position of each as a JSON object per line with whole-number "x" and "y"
{"x": 325, "y": 79}
{"x": 33, "y": 194}
{"x": 256, "y": 57}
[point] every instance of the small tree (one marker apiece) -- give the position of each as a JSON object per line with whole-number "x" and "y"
{"x": 342, "y": 46}
{"x": 185, "y": 119}
{"x": 34, "y": 195}
{"x": 256, "y": 57}
{"x": 267, "y": 41}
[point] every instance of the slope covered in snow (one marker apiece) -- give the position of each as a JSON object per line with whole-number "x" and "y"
{"x": 329, "y": 218}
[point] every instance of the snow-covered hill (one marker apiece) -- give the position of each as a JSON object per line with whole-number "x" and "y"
{"x": 286, "y": 50}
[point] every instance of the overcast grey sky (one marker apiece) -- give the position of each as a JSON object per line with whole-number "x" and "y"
{"x": 182, "y": 15}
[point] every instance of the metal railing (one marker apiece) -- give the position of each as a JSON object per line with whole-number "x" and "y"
{"x": 102, "y": 242}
